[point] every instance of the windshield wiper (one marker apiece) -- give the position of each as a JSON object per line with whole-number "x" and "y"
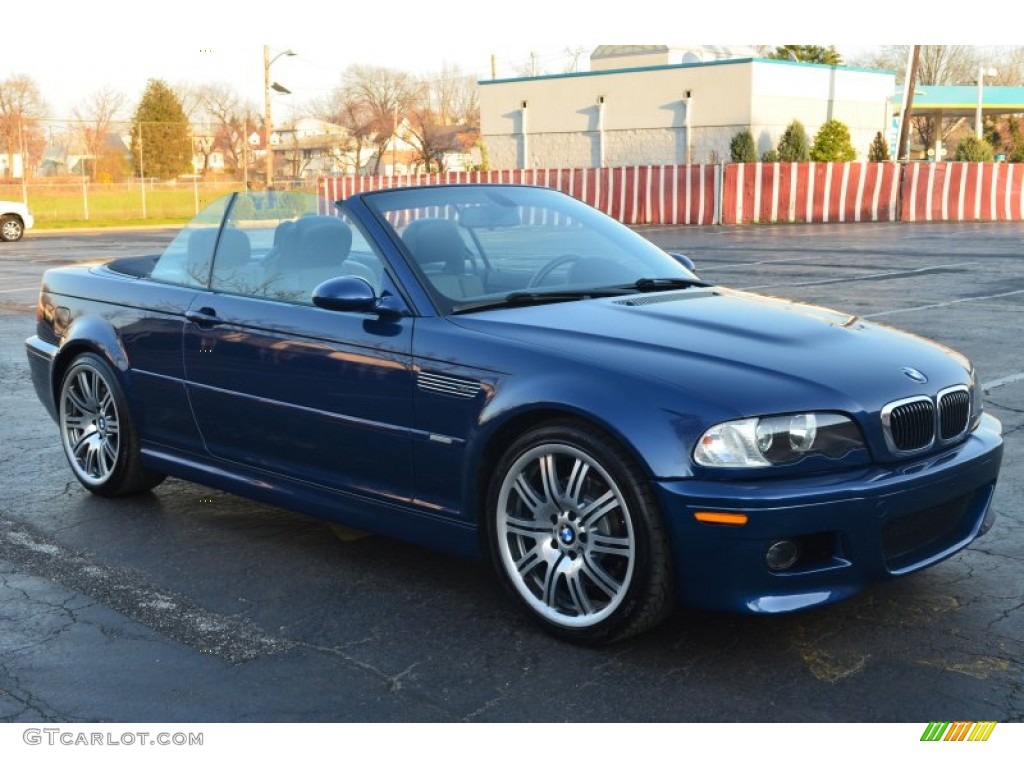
{"x": 646, "y": 284}
{"x": 539, "y": 297}
{"x": 522, "y": 298}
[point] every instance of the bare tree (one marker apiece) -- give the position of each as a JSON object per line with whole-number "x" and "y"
{"x": 444, "y": 115}
{"x": 21, "y": 109}
{"x": 937, "y": 65}
{"x": 574, "y": 54}
{"x": 190, "y": 97}
{"x": 1008, "y": 62}
{"x": 95, "y": 118}
{"x": 344, "y": 107}
{"x": 229, "y": 117}
{"x": 532, "y": 67}
{"x": 453, "y": 96}
{"x": 386, "y": 94}
{"x": 426, "y": 123}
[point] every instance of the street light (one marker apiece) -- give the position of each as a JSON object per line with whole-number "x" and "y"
{"x": 982, "y": 73}
{"x": 267, "y": 87}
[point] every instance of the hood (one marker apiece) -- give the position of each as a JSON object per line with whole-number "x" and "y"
{"x": 743, "y": 352}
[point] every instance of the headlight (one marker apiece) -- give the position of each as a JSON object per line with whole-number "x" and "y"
{"x": 771, "y": 441}
{"x": 977, "y": 406}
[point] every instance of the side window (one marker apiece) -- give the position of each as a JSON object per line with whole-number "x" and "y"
{"x": 187, "y": 260}
{"x": 253, "y": 233}
{"x": 309, "y": 250}
{"x": 272, "y": 245}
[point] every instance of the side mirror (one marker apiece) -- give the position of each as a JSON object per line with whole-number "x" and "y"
{"x": 345, "y": 294}
{"x": 685, "y": 260}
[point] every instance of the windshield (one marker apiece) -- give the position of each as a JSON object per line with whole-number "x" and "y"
{"x": 487, "y": 245}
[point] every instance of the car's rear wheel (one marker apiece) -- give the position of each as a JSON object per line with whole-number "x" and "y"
{"x": 99, "y": 439}
{"x": 576, "y": 536}
{"x": 11, "y": 228}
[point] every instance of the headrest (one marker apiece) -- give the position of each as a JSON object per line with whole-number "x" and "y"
{"x": 434, "y": 241}
{"x": 323, "y": 241}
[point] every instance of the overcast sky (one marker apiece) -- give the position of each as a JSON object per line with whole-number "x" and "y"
{"x": 74, "y": 49}
{"x": 67, "y": 75}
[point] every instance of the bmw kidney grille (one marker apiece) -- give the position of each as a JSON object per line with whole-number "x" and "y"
{"x": 914, "y": 423}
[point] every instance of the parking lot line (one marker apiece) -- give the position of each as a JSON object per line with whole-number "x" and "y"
{"x": 873, "y": 276}
{"x": 944, "y": 303}
{"x": 988, "y": 386}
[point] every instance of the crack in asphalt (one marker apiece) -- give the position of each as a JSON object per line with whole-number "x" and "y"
{"x": 393, "y": 683}
{"x": 29, "y": 703}
{"x": 1006, "y": 615}
{"x": 1003, "y": 407}
{"x": 990, "y": 553}
{"x": 1013, "y": 430}
{"x": 174, "y": 616}
{"x": 234, "y": 639}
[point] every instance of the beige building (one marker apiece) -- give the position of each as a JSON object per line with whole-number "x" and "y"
{"x": 638, "y": 106}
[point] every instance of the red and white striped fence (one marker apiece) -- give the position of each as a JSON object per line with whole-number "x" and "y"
{"x": 809, "y": 192}
{"x": 963, "y": 192}
{"x": 742, "y": 193}
{"x": 645, "y": 194}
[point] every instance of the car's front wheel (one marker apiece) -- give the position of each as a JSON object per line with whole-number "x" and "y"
{"x": 11, "y": 228}
{"x": 99, "y": 439}
{"x": 576, "y": 536}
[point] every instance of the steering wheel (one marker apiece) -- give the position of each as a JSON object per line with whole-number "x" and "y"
{"x": 544, "y": 272}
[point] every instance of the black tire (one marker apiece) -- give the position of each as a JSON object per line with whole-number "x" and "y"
{"x": 11, "y": 228}
{"x": 97, "y": 433}
{"x": 576, "y": 537}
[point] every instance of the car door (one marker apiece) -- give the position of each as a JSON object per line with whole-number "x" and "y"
{"x": 282, "y": 386}
{"x": 150, "y": 320}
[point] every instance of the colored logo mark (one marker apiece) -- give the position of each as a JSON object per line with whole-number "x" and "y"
{"x": 958, "y": 731}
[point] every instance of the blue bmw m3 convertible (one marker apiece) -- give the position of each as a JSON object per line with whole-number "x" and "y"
{"x": 503, "y": 372}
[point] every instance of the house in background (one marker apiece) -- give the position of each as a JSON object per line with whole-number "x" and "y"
{"x": 67, "y": 155}
{"x": 11, "y": 166}
{"x": 207, "y": 156}
{"x": 659, "y": 104}
{"x": 310, "y": 147}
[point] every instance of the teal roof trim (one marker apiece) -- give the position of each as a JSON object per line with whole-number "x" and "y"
{"x": 691, "y": 65}
{"x": 965, "y": 96}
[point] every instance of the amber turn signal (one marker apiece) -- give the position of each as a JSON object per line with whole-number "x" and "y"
{"x": 721, "y": 518}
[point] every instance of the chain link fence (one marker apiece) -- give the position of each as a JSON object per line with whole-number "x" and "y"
{"x": 76, "y": 202}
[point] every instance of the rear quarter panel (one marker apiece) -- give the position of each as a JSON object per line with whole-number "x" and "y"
{"x": 136, "y": 326}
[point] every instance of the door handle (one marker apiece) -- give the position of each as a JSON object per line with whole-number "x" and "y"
{"x": 206, "y": 317}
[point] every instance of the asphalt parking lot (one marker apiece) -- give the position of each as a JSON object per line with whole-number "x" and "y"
{"x": 192, "y": 605}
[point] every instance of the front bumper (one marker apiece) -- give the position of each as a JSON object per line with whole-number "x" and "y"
{"x": 852, "y": 528}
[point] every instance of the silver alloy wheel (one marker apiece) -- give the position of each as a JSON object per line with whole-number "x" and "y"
{"x": 565, "y": 535}
{"x": 89, "y": 425}
{"x": 10, "y": 229}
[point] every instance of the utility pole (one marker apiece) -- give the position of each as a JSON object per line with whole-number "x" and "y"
{"x": 245, "y": 151}
{"x": 267, "y": 86}
{"x": 266, "y": 116}
{"x": 24, "y": 158}
{"x": 394, "y": 144}
{"x": 902, "y": 150}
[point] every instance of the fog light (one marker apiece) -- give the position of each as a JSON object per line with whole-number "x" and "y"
{"x": 782, "y": 554}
